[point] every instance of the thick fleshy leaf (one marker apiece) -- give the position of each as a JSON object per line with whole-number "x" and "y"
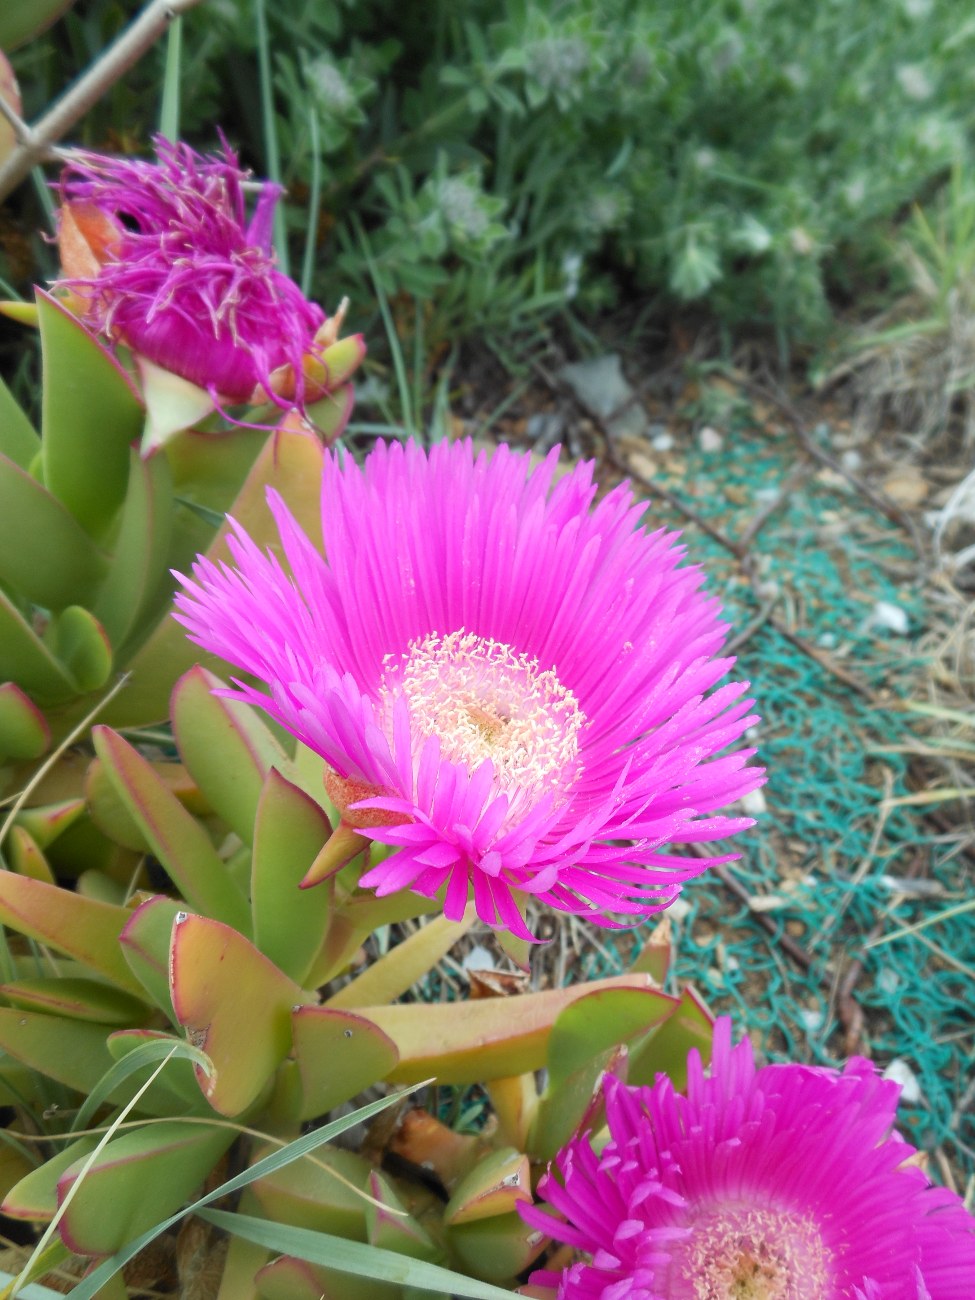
{"x": 175, "y": 837}
{"x": 24, "y": 733}
{"x": 338, "y": 1055}
{"x": 390, "y": 1227}
{"x": 91, "y": 414}
{"x": 14, "y": 1166}
{"x": 172, "y": 404}
{"x": 20, "y": 20}
{"x": 322, "y": 1194}
{"x": 485, "y": 1039}
{"x": 234, "y": 1004}
{"x": 358, "y": 917}
{"x": 46, "y": 822}
{"x": 136, "y": 1056}
{"x": 81, "y": 927}
{"x": 331, "y": 414}
{"x": 494, "y": 1186}
{"x": 226, "y": 746}
{"x": 691, "y": 1025}
{"x": 657, "y": 953}
{"x": 398, "y": 970}
{"x": 289, "y": 924}
{"x": 145, "y": 944}
{"x": 27, "y": 661}
{"x": 82, "y": 646}
{"x": 137, "y": 578}
{"x": 137, "y": 1180}
{"x": 45, "y": 554}
{"x": 26, "y": 858}
{"x": 110, "y": 813}
{"x": 71, "y": 1051}
{"x": 287, "y": 1278}
{"x": 78, "y": 999}
{"x": 495, "y": 1249}
{"x": 35, "y": 1198}
{"x": 289, "y": 462}
{"x": 582, "y": 1042}
{"x": 18, "y": 437}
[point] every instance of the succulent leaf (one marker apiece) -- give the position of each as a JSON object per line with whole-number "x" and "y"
{"x": 26, "y": 660}
{"x": 138, "y": 569}
{"x": 18, "y": 437}
{"x": 287, "y": 1278}
{"x": 226, "y": 746}
{"x": 34, "y": 1199}
{"x": 24, "y": 733}
{"x": 488, "y": 1041}
{"x": 398, "y": 970}
{"x": 78, "y": 999}
{"x": 26, "y": 858}
{"x": 494, "y": 1186}
{"x": 338, "y": 1055}
{"x": 665, "y": 1052}
{"x": 234, "y": 1004}
{"x": 179, "y": 841}
{"x": 91, "y": 414}
{"x": 137, "y": 1180}
{"x": 71, "y": 1051}
{"x": 323, "y": 1194}
{"x": 61, "y": 565}
{"x": 145, "y": 944}
{"x": 289, "y": 830}
{"x": 83, "y": 928}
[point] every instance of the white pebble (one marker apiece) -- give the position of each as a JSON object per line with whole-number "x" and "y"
{"x": 900, "y": 1072}
{"x": 709, "y": 439}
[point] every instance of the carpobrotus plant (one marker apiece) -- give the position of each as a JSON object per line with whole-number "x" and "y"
{"x": 509, "y": 688}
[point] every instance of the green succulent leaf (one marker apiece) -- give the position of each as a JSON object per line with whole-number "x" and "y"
{"x": 134, "y": 1055}
{"x": 494, "y": 1186}
{"x": 326, "y": 1194}
{"x": 496, "y": 1249}
{"x": 289, "y": 462}
{"x": 665, "y": 1052}
{"x": 26, "y": 858}
{"x": 18, "y": 437}
{"x": 83, "y": 647}
{"x": 83, "y": 928}
{"x": 71, "y": 1051}
{"x": 137, "y": 573}
{"x": 287, "y": 1278}
{"x": 46, "y": 822}
{"x": 176, "y": 838}
{"x": 45, "y": 554}
{"x": 27, "y": 661}
{"x": 289, "y": 923}
{"x": 24, "y": 733}
{"x": 234, "y": 1004}
{"x": 138, "y": 1179}
{"x": 90, "y": 416}
{"x": 23, "y": 19}
{"x": 338, "y": 1055}
{"x": 482, "y": 1040}
{"x": 390, "y": 1227}
{"x": 35, "y": 1198}
{"x": 76, "y": 998}
{"x": 393, "y": 974}
{"x": 145, "y": 944}
{"x": 227, "y": 747}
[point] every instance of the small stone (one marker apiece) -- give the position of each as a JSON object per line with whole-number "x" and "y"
{"x": 709, "y": 440}
{"x": 900, "y": 1072}
{"x": 754, "y": 803}
{"x": 642, "y": 465}
{"x": 479, "y": 958}
{"x": 906, "y": 486}
{"x": 663, "y": 441}
{"x": 890, "y": 617}
{"x": 851, "y": 461}
{"x": 603, "y": 389}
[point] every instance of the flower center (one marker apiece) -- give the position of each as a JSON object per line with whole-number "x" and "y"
{"x": 482, "y": 699}
{"x": 752, "y": 1254}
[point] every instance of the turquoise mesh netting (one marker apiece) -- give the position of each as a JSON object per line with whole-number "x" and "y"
{"x": 826, "y": 856}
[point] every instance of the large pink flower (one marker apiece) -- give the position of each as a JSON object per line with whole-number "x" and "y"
{"x": 510, "y": 686}
{"x": 781, "y": 1183}
{"x": 165, "y": 259}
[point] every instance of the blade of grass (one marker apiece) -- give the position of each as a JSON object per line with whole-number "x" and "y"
{"x": 355, "y": 1257}
{"x": 906, "y": 930}
{"x": 32, "y": 1291}
{"x": 270, "y": 129}
{"x": 396, "y": 351}
{"x": 88, "y": 1288}
{"x": 169, "y": 110}
{"x": 314, "y": 200}
{"x": 133, "y": 1061}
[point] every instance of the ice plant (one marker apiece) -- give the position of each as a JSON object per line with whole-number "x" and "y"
{"x": 162, "y": 257}
{"x": 510, "y": 686}
{"x": 780, "y": 1183}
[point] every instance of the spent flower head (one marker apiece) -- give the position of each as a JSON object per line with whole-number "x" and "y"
{"x": 511, "y": 687}
{"x": 780, "y": 1183}
{"x": 163, "y": 257}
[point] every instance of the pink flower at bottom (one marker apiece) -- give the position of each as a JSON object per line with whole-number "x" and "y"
{"x": 511, "y": 687}
{"x": 780, "y": 1183}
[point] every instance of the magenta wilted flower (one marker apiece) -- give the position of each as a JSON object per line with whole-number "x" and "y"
{"x": 510, "y": 688}
{"x": 780, "y": 1183}
{"x": 163, "y": 258}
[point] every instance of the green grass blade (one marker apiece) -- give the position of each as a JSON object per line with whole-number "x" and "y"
{"x": 169, "y": 110}
{"x": 354, "y": 1257}
{"x": 89, "y": 1287}
{"x": 270, "y": 129}
{"x": 161, "y": 1049}
{"x": 314, "y": 200}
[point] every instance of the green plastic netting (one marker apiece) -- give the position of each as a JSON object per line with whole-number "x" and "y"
{"x": 830, "y": 862}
